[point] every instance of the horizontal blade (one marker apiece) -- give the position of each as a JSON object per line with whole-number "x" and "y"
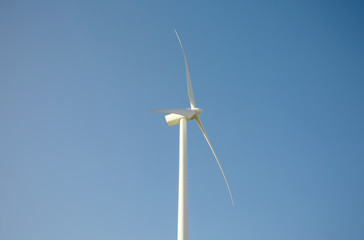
{"x": 189, "y": 85}
{"x": 208, "y": 141}
{"x": 188, "y": 113}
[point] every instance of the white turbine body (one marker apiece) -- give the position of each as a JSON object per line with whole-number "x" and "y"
{"x": 181, "y": 116}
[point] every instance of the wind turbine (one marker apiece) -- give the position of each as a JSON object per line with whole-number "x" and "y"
{"x": 181, "y": 116}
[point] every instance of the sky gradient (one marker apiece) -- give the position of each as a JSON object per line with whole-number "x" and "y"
{"x": 281, "y": 85}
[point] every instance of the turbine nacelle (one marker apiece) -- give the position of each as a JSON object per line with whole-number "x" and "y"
{"x": 175, "y": 118}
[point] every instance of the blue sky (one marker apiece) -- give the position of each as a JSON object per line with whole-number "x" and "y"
{"x": 281, "y": 87}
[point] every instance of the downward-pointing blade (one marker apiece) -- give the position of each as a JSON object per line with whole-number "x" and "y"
{"x": 208, "y": 141}
{"x": 189, "y": 85}
{"x": 188, "y": 113}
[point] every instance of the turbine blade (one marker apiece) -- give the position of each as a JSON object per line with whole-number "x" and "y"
{"x": 188, "y": 113}
{"x": 189, "y": 85}
{"x": 208, "y": 141}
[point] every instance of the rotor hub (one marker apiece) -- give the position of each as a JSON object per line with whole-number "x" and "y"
{"x": 198, "y": 111}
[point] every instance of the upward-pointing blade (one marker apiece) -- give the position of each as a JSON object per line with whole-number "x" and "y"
{"x": 208, "y": 141}
{"x": 189, "y": 85}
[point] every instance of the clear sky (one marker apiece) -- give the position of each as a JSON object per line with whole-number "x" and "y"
{"x": 281, "y": 85}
